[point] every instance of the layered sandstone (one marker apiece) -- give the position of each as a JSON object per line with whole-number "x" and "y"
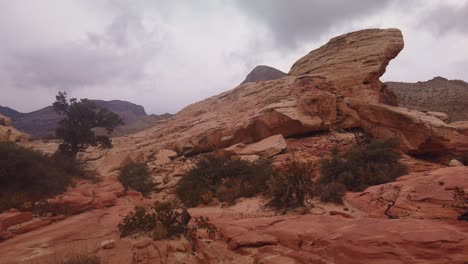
{"x": 428, "y": 195}
{"x": 354, "y": 62}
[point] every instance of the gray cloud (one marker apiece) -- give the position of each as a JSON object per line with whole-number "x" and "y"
{"x": 166, "y": 54}
{"x": 296, "y": 21}
{"x": 447, "y": 18}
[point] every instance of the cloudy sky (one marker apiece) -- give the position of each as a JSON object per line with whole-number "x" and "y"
{"x": 165, "y": 54}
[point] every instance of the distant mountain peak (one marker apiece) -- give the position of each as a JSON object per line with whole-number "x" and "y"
{"x": 263, "y": 73}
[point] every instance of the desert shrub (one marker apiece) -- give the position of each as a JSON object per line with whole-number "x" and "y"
{"x": 464, "y": 158}
{"x": 224, "y": 178}
{"x": 361, "y": 166}
{"x": 291, "y": 187}
{"x": 332, "y": 192}
{"x": 163, "y": 220}
{"x": 81, "y": 258}
{"x": 135, "y": 175}
{"x": 460, "y": 198}
{"x": 27, "y": 175}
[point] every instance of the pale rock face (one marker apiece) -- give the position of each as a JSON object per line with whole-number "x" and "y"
{"x": 267, "y": 147}
{"x": 354, "y": 62}
{"x": 455, "y": 163}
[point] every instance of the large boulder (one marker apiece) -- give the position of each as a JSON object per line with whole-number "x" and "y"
{"x": 267, "y": 147}
{"x": 354, "y": 62}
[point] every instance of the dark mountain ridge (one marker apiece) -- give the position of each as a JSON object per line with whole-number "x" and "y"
{"x": 43, "y": 122}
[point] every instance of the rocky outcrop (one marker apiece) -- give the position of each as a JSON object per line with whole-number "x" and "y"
{"x": 9, "y": 133}
{"x": 417, "y": 132}
{"x": 263, "y": 73}
{"x": 309, "y": 100}
{"x": 354, "y": 62}
{"x": 438, "y": 94}
{"x": 428, "y": 195}
{"x": 267, "y": 147}
{"x": 336, "y": 239}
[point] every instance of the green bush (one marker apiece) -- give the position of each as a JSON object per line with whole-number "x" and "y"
{"x": 28, "y": 176}
{"x": 291, "y": 187}
{"x": 225, "y": 178}
{"x": 163, "y": 220}
{"x": 361, "y": 166}
{"x": 135, "y": 175}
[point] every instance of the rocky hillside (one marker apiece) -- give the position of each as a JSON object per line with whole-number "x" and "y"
{"x": 438, "y": 94}
{"x": 300, "y": 117}
{"x": 43, "y": 122}
{"x": 263, "y": 73}
{"x": 8, "y": 132}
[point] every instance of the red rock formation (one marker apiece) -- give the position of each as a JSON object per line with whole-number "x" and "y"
{"x": 417, "y": 195}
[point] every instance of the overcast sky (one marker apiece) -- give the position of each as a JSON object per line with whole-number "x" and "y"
{"x": 165, "y": 54}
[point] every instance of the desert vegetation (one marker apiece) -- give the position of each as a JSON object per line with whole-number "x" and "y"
{"x": 291, "y": 187}
{"x": 28, "y": 176}
{"x": 224, "y": 178}
{"x": 135, "y": 175}
{"x": 164, "y": 220}
{"x": 80, "y": 117}
{"x": 359, "y": 167}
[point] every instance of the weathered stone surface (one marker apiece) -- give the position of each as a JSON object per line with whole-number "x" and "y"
{"x": 354, "y": 61}
{"x": 29, "y": 226}
{"x": 461, "y": 126}
{"x": 87, "y": 196}
{"x": 13, "y": 217}
{"x": 417, "y": 132}
{"x": 442, "y": 116}
{"x": 267, "y": 147}
{"x": 329, "y": 239}
{"x": 417, "y": 195}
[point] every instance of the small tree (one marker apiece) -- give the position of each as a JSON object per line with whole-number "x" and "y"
{"x": 80, "y": 118}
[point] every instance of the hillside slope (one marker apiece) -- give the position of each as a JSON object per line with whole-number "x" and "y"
{"x": 438, "y": 94}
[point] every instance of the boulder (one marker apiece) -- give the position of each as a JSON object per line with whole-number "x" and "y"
{"x": 354, "y": 62}
{"x": 267, "y": 147}
{"x": 455, "y": 163}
